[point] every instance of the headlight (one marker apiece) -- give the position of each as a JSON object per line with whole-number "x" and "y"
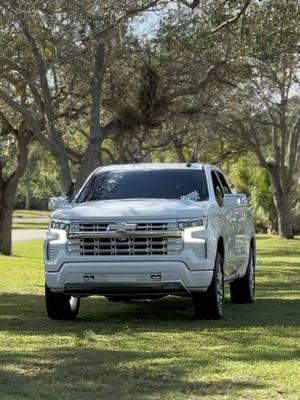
{"x": 57, "y": 224}
{"x": 193, "y": 223}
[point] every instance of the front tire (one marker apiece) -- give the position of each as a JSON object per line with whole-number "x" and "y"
{"x": 242, "y": 290}
{"x": 61, "y": 306}
{"x": 210, "y": 304}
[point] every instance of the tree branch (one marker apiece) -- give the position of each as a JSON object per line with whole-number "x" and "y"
{"x": 7, "y": 125}
{"x": 127, "y": 15}
{"x": 27, "y": 115}
{"x": 23, "y": 136}
{"x": 27, "y": 79}
{"x": 111, "y": 127}
{"x": 96, "y": 90}
{"x": 73, "y": 155}
{"x": 294, "y": 150}
{"x": 192, "y": 5}
{"x": 194, "y": 89}
{"x": 109, "y": 153}
{"x": 49, "y": 113}
{"x": 232, "y": 20}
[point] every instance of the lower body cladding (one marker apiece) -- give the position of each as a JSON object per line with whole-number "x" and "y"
{"x": 127, "y": 278}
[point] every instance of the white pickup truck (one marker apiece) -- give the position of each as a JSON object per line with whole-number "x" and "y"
{"x": 150, "y": 230}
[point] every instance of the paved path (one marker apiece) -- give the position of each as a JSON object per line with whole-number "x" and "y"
{"x": 22, "y": 235}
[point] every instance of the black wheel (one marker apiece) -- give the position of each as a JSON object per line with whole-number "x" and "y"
{"x": 210, "y": 304}
{"x": 242, "y": 290}
{"x": 61, "y": 306}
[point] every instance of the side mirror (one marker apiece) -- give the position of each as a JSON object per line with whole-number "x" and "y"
{"x": 58, "y": 202}
{"x": 235, "y": 200}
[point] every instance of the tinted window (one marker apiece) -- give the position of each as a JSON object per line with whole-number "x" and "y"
{"x": 217, "y": 189}
{"x": 226, "y": 188}
{"x": 164, "y": 184}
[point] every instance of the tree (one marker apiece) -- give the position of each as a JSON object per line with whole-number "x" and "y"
{"x": 168, "y": 87}
{"x": 261, "y": 111}
{"x": 92, "y": 91}
{"x": 60, "y": 58}
{"x": 14, "y": 141}
{"x": 249, "y": 178}
{"x": 53, "y": 75}
{"x": 40, "y": 180}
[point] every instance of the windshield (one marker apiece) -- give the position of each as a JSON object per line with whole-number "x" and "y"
{"x": 164, "y": 184}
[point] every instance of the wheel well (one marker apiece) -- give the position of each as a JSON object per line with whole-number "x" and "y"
{"x": 220, "y": 248}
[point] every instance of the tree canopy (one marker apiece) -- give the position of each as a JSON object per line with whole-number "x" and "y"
{"x": 212, "y": 81}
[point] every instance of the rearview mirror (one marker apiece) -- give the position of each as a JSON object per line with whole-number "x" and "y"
{"x": 235, "y": 200}
{"x": 58, "y": 202}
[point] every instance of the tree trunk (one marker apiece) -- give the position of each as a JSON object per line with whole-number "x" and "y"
{"x": 285, "y": 219}
{"x": 28, "y": 194}
{"x": 5, "y": 230}
{"x": 283, "y": 205}
{"x": 8, "y": 186}
{"x": 180, "y": 153}
{"x": 63, "y": 169}
{"x": 89, "y": 162}
{"x": 274, "y": 224}
{"x": 284, "y": 213}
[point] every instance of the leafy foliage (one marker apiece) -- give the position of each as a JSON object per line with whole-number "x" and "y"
{"x": 213, "y": 81}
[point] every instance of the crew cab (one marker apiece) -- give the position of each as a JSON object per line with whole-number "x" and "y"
{"x": 145, "y": 231}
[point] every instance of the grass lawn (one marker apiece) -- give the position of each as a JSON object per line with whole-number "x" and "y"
{"x": 151, "y": 350}
{"x": 31, "y": 214}
{"x": 30, "y": 219}
{"x": 30, "y": 225}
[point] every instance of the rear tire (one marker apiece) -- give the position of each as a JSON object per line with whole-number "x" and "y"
{"x": 242, "y": 290}
{"x": 61, "y": 306}
{"x": 210, "y": 304}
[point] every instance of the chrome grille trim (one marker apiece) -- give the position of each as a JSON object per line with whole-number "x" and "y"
{"x": 148, "y": 238}
{"x": 83, "y": 235}
{"x": 100, "y": 227}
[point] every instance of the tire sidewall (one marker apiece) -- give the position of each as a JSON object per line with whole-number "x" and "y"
{"x": 218, "y": 274}
{"x": 251, "y": 264}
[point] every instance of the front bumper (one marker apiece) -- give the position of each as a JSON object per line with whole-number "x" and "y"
{"x": 161, "y": 277}
{"x": 189, "y": 271}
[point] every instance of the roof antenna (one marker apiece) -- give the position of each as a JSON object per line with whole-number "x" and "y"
{"x": 188, "y": 164}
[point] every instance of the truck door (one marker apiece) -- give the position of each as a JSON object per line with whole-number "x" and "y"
{"x": 238, "y": 216}
{"x": 229, "y": 227}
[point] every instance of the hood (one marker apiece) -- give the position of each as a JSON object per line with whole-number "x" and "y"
{"x": 130, "y": 209}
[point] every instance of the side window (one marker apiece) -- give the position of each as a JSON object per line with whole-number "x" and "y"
{"x": 226, "y": 188}
{"x": 217, "y": 188}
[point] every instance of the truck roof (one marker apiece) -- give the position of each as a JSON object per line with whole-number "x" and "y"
{"x": 151, "y": 166}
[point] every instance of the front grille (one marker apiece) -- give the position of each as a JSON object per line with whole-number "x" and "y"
{"x": 140, "y": 226}
{"x": 156, "y": 226}
{"x": 146, "y": 238}
{"x": 90, "y": 227}
{"x": 125, "y": 246}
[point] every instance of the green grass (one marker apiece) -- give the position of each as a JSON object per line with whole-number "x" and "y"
{"x": 30, "y": 225}
{"x": 30, "y": 219}
{"x": 151, "y": 350}
{"x": 31, "y": 214}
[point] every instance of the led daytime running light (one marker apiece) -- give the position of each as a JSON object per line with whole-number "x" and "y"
{"x": 193, "y": 223}
{"x": 57, "y": 224}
